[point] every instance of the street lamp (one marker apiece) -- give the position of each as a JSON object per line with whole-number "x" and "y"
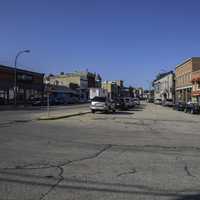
{"x": 15, "y": 75}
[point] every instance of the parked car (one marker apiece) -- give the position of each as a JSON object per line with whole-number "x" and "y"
{"x": 60, "y": 101}
{"x": 168, "y": 102}
{"x": 2, "y": 101}
{"x": 129, "y": 102}
{"x": 150, "y": 100}
{"x": 121, "y": 104}
{"x": 158, "y": 101}
{"x": 192, "y": 108}
{"x": 38, "y": 101}
{"x": 180, "y": 106}
{"x": 102, "y": 104}
{"x": 137, "y": 101}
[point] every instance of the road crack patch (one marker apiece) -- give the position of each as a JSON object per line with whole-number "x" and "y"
{"x": 188, "y": 171}
{"x": 106, "y": 147}
{"x": 132, "y": 171}
{"x": 60, "y": 167}
{"x": 61, "y": 178}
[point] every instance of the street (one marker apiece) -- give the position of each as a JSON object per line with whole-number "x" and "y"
{"x": 150, "y": 153}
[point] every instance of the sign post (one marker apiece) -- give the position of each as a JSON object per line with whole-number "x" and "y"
{"x": 48, "y": 109}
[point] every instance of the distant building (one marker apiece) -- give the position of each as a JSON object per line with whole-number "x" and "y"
{"x": 196, "y": 86}
{"x": 81, "y": 80}
{"x": 111, "y": 87}
{"x": 120, "y": 86}
{"x": 164, "y": 86}
{"x": 127, "y": 92}
{"x": 138, "y": 92}
{"x": 186, "y": 86}
{"x": 98, "y": 81}
{"x": 28, "y": 84}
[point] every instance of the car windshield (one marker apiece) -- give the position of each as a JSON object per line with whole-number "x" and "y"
{"x": 99, "y": 99}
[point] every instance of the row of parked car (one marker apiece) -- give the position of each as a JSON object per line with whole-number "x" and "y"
{"x": 189, "y": 107}
{"x": 39, "y": 101}
{"x": 105, "y": 104}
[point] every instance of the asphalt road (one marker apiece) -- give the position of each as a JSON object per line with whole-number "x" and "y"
{"x": 148, "y": 153}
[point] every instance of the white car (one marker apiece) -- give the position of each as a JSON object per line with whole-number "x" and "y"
{"x": 102, "y": 104}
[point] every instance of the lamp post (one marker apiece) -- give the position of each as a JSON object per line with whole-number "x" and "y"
{"x": 15, "y": 75}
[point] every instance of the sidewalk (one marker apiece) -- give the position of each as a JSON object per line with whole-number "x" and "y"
{"x": 42, "y": 114}
{"x": 62, "y": 115}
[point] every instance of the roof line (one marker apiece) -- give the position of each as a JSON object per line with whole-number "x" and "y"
{"x": 187, "y": 60}
{"x": 20, "y": 70}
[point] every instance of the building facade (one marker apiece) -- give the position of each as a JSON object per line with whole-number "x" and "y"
{"x": 28, "y": 84}
{"x": 111, "y": 87}
{"x": 120, "y": 86}
{"x": 164, "y": 87}
{"x": 196, "y": 86}
{"x": 185, "y": 89}
{"x": 77, "y": 80}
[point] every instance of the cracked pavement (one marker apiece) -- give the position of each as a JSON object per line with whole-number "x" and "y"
{"x": 150, "y": 152}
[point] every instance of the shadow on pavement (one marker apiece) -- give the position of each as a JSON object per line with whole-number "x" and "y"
{"x": 123, "y": 113}
{"x": 140, "y": 107}
{"x": 189, "y": 197}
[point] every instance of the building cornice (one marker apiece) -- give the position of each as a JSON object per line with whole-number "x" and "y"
{"x": 186, "y": 61}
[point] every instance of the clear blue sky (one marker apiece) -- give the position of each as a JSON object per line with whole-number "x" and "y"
{"x": 130, "y": 40}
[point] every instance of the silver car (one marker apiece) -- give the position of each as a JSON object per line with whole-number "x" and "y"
{"x": 102, "y": 104}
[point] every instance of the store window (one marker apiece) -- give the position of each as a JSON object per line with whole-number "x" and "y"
{"x": 198, "y": 85}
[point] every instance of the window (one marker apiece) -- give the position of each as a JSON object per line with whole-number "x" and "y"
{"x": 99, "y": 99}
{"x": 198, "y": 85}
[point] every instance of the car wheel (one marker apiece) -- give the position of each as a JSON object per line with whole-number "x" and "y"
{"x": 93, "y": 111}
{"x": 113, "y": 111}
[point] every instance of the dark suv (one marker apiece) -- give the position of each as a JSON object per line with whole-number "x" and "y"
{"x": 180, "y": 106}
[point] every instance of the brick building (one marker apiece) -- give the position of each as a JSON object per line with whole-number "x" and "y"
{"x": 28, "y": 84}
{"x": 196, "y": 86}
{"x": 183, "y": 77}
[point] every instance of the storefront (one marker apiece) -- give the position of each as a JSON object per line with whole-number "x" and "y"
{"x": 184, "y": 94}
{"x": 27, "y": 83}
{"x": 196, "y": 89}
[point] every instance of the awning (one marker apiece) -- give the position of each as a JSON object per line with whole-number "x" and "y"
{"x": 196, "y": 93}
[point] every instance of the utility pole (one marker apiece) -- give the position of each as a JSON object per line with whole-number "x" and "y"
{"x": 15, "y": 74}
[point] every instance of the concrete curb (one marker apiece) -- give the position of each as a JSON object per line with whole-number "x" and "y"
{"x": 63, "y": 116}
